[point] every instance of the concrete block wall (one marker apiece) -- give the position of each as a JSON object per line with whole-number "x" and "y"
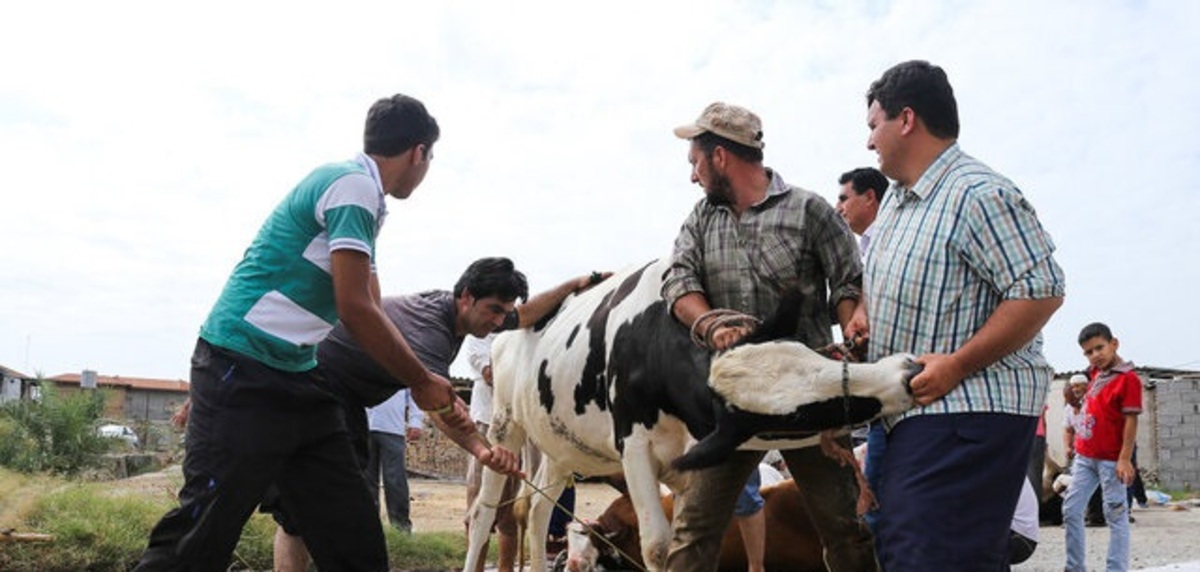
{"x": 1178, "y": 430}
{"x": 436, "y": 456}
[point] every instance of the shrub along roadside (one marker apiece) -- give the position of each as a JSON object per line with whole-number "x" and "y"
{"x": 56, "y": 434}
{"x": 98, "y": 529}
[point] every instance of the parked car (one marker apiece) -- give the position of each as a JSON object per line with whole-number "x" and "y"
{"x": 117, "y": 431}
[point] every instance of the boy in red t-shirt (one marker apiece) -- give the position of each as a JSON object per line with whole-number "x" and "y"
{"x": 1104, "y": 444}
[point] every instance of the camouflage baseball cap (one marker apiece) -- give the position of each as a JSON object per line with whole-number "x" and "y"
{"x": 734, "y": 123}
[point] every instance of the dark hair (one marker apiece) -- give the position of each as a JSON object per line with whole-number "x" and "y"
{"x": 493, "y": 276}
{"x": 395, "y": 124}
{"x": 865, "y": 179}
{"x": 709, "y": 141}
{"x": 924, "y": 88}
{"x": 1095, "y": 329}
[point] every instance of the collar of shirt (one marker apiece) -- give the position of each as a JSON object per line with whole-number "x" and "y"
{"x": 932, "y": 176}
{"x": 366, "y": 162}
{"x": 1100, "y": 378}
{"x": 775, "y": 188}
{"x": 864, "y": 241}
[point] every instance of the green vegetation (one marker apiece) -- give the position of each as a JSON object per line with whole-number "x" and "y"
{"x": 56, "y": 434}
{"x": 101, "y": 528}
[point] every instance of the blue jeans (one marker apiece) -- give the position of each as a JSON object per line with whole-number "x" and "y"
{"x": 1088, "y": 474}
{"x": 750, "y": 501}
{"x": 876, "y": 445}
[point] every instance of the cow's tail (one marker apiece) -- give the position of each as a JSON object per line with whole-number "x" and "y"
{"x": 520, "y": 511}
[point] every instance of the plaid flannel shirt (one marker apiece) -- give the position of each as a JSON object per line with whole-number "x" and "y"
{"x": 792, "y": 239}
{"x": 945, "y": 253}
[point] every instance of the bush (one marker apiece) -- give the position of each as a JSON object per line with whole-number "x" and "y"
{"x": 57, "y": 434}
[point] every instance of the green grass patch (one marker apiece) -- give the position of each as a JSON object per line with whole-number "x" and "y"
{"x": 98, "y": 528}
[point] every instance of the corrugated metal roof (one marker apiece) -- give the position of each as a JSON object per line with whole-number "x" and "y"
{"x": 177, "y": 385}
{"x": 8, "y": 372}
{"x": 1147, "y": 373}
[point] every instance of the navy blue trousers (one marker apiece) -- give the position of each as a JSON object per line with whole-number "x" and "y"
{"x": 949, "y": 487}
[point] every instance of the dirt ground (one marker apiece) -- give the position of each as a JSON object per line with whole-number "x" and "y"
{"x": 1163, "y": 536}
{"x": 441, "y": 505}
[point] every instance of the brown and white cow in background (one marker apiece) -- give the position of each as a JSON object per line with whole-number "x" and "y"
{"x": 613, "y": 383}
{"x": 792, "y": 542}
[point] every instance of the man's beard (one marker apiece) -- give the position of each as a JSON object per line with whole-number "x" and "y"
{"x": 719, "y": 192}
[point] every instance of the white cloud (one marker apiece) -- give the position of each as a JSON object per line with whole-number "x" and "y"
{"x": 143, "y": 143}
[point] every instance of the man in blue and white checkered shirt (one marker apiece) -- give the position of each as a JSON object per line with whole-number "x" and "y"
{"x": 962, "y": 274}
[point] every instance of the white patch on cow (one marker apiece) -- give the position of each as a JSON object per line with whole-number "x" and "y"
{"x": 582, "y": 553}
{"x": 666, "y": 441}
{"x": 778, "y": 378}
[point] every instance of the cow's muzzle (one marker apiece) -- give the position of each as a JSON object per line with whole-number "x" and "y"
{"x": 911, "y": 369}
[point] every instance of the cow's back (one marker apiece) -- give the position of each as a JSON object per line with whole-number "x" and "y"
{"x": 554, "y": 379}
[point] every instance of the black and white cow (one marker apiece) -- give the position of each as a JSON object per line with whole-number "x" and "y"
{"x": 613, "y": 383}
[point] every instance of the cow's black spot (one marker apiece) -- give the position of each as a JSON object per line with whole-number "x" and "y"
{"x": 571, "y": 338}
{"x": 737, "y": 426}
{"x": 545, "y": 388}
{"x": 657, "y": 369}
{"x": 592, "y": 386}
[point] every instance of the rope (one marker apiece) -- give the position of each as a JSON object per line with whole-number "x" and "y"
{"x": 573, "y": 516}
{"x": 866, "y": 497}
{"x": 715, "y": 319}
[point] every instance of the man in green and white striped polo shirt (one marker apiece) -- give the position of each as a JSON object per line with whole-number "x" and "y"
{"x": 257, "y": 414}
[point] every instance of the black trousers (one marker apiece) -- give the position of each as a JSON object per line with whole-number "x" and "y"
{"x": 250, "y": 426}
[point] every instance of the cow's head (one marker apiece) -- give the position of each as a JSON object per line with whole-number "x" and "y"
{"x": 592, "y": 547}
{"x": 785, "y": 387}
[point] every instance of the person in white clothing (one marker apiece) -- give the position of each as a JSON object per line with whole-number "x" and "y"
{"x": 393, "y": 424}
{"x": 1024, "y": 536}
{"x": 1073, "y": 412}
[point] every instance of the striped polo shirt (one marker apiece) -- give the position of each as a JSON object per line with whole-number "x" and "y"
{"x": 279, "y": 302}
{"x": 944, "y": 254}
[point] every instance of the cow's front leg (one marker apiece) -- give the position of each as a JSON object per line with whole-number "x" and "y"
{"x": 641, "y": 476}
{"x": 482, "y": 514}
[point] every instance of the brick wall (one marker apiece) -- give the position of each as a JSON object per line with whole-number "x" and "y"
{"x": 436, "y": 456}
{"x": 1177, "y": 405}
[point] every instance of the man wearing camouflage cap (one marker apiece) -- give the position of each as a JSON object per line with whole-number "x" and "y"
{"x": 749, "y": 239}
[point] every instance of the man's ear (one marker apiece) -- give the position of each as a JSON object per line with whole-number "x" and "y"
{"x": 909, "y": 121}
{"x": 719, "y": 156}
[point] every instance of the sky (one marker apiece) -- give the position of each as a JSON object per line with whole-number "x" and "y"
{"x": 143, "y": 143}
